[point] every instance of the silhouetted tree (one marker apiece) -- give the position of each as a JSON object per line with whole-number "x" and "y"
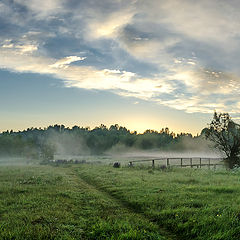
{"x": 225, "y": 133}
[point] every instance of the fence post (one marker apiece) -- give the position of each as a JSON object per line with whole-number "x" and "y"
{"x": 200, "y": 161}
{"x": 167, "y": 162}
{"x": 209, "y": 162}
{"x": 153, "y": 163}
{"x": 191, "y": 162}
{"x": 181, "y": 163}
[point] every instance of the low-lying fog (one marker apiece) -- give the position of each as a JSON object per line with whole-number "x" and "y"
{"x": 15, "y": 161}
{"x": 69, "y": 148}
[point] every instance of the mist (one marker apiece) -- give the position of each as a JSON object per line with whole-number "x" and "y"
{"x": 67, "y": 146}
{"x": 100, "y": 144}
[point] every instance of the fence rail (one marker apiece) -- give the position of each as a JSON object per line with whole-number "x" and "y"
{"x": 198, "y": 162}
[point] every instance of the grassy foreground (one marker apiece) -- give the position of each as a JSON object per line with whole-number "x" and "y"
{"x": 101, "y": 202}
{"x": 194, "y": 204}
{"x": 45, "y": 202}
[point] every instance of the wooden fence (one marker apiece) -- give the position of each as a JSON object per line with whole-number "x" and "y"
{"x": 197, "y": 162}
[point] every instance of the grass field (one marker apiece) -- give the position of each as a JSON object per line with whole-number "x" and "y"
{"x": 101, "y": 202}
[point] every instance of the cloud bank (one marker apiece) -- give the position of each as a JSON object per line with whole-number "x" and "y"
{"x": 181, "y": 54}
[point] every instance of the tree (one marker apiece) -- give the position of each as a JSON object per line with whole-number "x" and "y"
{"x": 225, "y": 133}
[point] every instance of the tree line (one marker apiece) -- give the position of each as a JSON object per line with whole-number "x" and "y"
{"x": 38, "y": 142}
{"x": 57, "y": 139}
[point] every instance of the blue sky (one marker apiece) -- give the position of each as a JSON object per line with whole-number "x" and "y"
{"x": 141, "y": 64}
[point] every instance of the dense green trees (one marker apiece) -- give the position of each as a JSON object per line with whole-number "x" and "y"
{"x": 37, "y": 142}
{"x": 12, "y": 144}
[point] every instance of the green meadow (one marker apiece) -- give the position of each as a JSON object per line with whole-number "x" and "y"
{"x": 97, "y": 201}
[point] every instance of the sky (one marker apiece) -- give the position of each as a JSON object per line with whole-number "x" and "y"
{"x": 140, "y": 64}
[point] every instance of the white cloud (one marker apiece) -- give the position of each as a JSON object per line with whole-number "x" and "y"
{"x": 188, "y": 43}
{"x": 203, "y": 20}
{"x": 129, "y": 84}
{"x": 64, "y": 62}
{"x": 21, "y": 47}
{"x": 109, "y": 26}
{"x": 83, "y": 76}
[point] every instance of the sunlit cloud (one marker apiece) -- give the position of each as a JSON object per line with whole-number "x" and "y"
{"x": 64, "y": 62}
{"x": 108, "y": 27}
{"x": 26, "y": 48}
{"x": 180, "y": 54}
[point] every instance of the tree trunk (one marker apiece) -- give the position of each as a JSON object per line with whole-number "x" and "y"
{"x": 232, "y": 161}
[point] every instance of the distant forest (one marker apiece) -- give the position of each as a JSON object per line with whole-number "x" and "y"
{"x": 58, "y": 139}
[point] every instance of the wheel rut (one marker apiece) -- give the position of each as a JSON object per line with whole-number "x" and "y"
{"x": 125, "y": 206}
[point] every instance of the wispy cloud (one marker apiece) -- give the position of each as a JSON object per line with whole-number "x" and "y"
{"x": 193, "y": 48}
{"x": 22, "y": 49}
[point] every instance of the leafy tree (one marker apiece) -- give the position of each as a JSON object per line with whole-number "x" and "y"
{"x": 225, "y": 133}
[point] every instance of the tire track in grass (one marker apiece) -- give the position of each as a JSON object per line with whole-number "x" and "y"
{"x": 120, "y": 222}
{"x": 115, "y": 210}
{"x": 126, "y": 206}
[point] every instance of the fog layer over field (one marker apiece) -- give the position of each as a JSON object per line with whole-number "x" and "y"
{"x": 67, "y": 149}
{"x": 68, "y": 144}
{"x": 16, "y": 161}
{"x": 99, "y": 144}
